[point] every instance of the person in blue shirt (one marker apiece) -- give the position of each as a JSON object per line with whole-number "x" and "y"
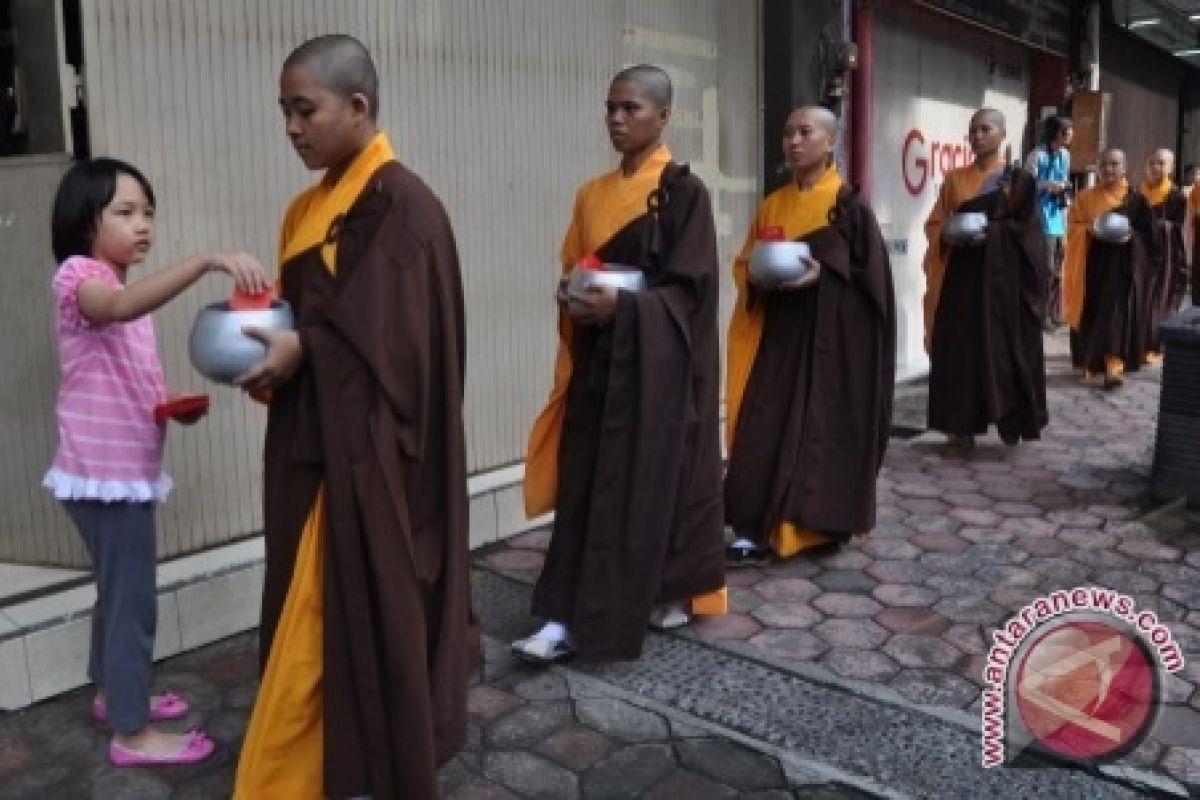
{"x": 1050, "y": 165}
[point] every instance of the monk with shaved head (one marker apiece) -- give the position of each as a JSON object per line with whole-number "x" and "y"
{"x": 1167, "y": 277}
{"x": 1105, "y": 275}
{"x": 811, "y": 362}
{"x": 367, "y": 635}
{"x": 627, "y": 451}
{"x": 984, "y": 298}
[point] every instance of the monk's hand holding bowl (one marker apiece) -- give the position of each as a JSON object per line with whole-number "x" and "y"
{"x": 812, "y": 273}
{"x": 595, "y": 306}
{"x": 283, "y": 357}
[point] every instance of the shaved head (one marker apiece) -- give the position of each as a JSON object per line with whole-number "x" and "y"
{"x": 341, "y": 64}
{"x": 654, "y": 83}
{"x": 1159, "y": 166}
{"x": 1112, "y": 166}
{"x": 820, "y": 116}
{"x": 992, "y": 115}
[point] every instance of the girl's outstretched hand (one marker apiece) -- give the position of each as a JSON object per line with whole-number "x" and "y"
{"x": 245, "y": 270}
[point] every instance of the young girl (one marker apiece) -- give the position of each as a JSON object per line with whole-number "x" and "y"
{"x": 107, "y": 470}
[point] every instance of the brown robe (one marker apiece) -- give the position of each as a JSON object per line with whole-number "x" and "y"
{"x": 816, "y": 416}
{"x": 375, "y": 414}
{"x": 1195, "y": 223}
{"x": 986, "y": 360}
{"x": 638, "y": 509}
{"x": 1167, "y": 275}
{"x": 1115, "y": 287}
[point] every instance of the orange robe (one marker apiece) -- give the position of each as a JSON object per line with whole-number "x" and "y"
{"x": 603, "y": 206}
{"x": 1189, "y": 238}
{"x": 624, "y": 201}
{"x": 960, "y": 186}
{"x": 796, "y": 212}
{"x": 1089, "y": 204}
{"x": 1193, "y": 217}
{"x": 283, "y": 753}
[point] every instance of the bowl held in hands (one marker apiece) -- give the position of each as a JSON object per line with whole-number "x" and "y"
{"x": 616, "y": 276}
{"x": 218, "y": 348}
{"x": 965, "y": 229}
{"x": 1112, "y": 227}
{"x": 773, "y": 263}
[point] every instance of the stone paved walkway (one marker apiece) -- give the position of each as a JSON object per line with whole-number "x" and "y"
{"x": 963, "y": 543}
{"x": 533, "y": 734}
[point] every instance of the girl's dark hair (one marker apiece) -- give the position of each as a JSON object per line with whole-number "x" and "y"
{"x": 1053, "y": 126}
{"x": 83, "y": 193}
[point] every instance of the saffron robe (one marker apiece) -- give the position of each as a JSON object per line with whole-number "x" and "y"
{"x": 1104, "y": 284}
{"x": 811, "y": 375}
{"x": 1167, "y": 278}
{"x": 628, "y": 446}
{"x": 987, "y": 364}
{"x": 1192, "y": 231}
{"x": 367, "y": 632}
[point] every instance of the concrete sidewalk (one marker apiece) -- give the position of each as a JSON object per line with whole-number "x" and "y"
{"x": 852, "y": 675}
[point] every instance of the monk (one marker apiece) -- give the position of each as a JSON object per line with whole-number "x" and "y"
{"x": 627, "y": 451}
{"x": 1192, "y": 233}
{"x": 1104, "y": 282}
{"x": 984, "y": 301}
{"x": 1167, "y": 278}
{"x": 367, "y": 632}
{"x": 811, "y": 364}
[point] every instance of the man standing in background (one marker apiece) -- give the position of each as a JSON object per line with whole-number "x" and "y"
{"x": 1050, "y": 165}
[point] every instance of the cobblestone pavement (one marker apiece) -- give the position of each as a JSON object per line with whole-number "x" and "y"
{"x": 963, "y": 543}
{"x": 533, "y": 734}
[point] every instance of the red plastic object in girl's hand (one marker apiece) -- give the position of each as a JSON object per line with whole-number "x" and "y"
{"x": 242, "y": 301}
{"x": 770, "y": 233}
{"x": 185, "y": 406}
{"x": 590, "y": 261}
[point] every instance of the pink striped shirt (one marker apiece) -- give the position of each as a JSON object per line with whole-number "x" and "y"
{"x": 109, "y": 446}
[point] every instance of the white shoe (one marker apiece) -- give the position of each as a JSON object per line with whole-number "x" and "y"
{"x": 543, "y": 651}
{"x": 668, "y": 616}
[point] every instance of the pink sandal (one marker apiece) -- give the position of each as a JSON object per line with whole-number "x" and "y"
{"x": 197, "y": 748}
{"x": 166, "y": 706}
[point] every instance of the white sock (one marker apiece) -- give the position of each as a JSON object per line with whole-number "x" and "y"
{"x": 552, "y": 631}
{"x": 742, "y": 541}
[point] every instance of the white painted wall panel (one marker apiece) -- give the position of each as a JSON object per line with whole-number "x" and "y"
{"x": 496, "y": 103}
{"x": 31, "y": 527}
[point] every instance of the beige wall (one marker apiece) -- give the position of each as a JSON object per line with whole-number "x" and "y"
{"x": 496, "y": 103}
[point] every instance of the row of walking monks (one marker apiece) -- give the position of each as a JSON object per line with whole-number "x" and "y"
{"x": 368, "y": 633}
{"x": 627, "y": 452}
{"x": 983, "y": 303}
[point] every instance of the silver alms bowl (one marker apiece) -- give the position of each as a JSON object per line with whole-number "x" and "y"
{"x": 965, "y": 229}
{"x": 218, "y": 348}
{"x": 1112, "y": 227}
{"x": 775, "y": 263}
{"x": 616, "y": 276}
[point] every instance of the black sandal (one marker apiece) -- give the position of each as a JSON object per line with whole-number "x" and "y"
{"x": 746, "y": 555}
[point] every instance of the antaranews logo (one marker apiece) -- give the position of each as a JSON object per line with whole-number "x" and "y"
{"x": 1076, "y": 674}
